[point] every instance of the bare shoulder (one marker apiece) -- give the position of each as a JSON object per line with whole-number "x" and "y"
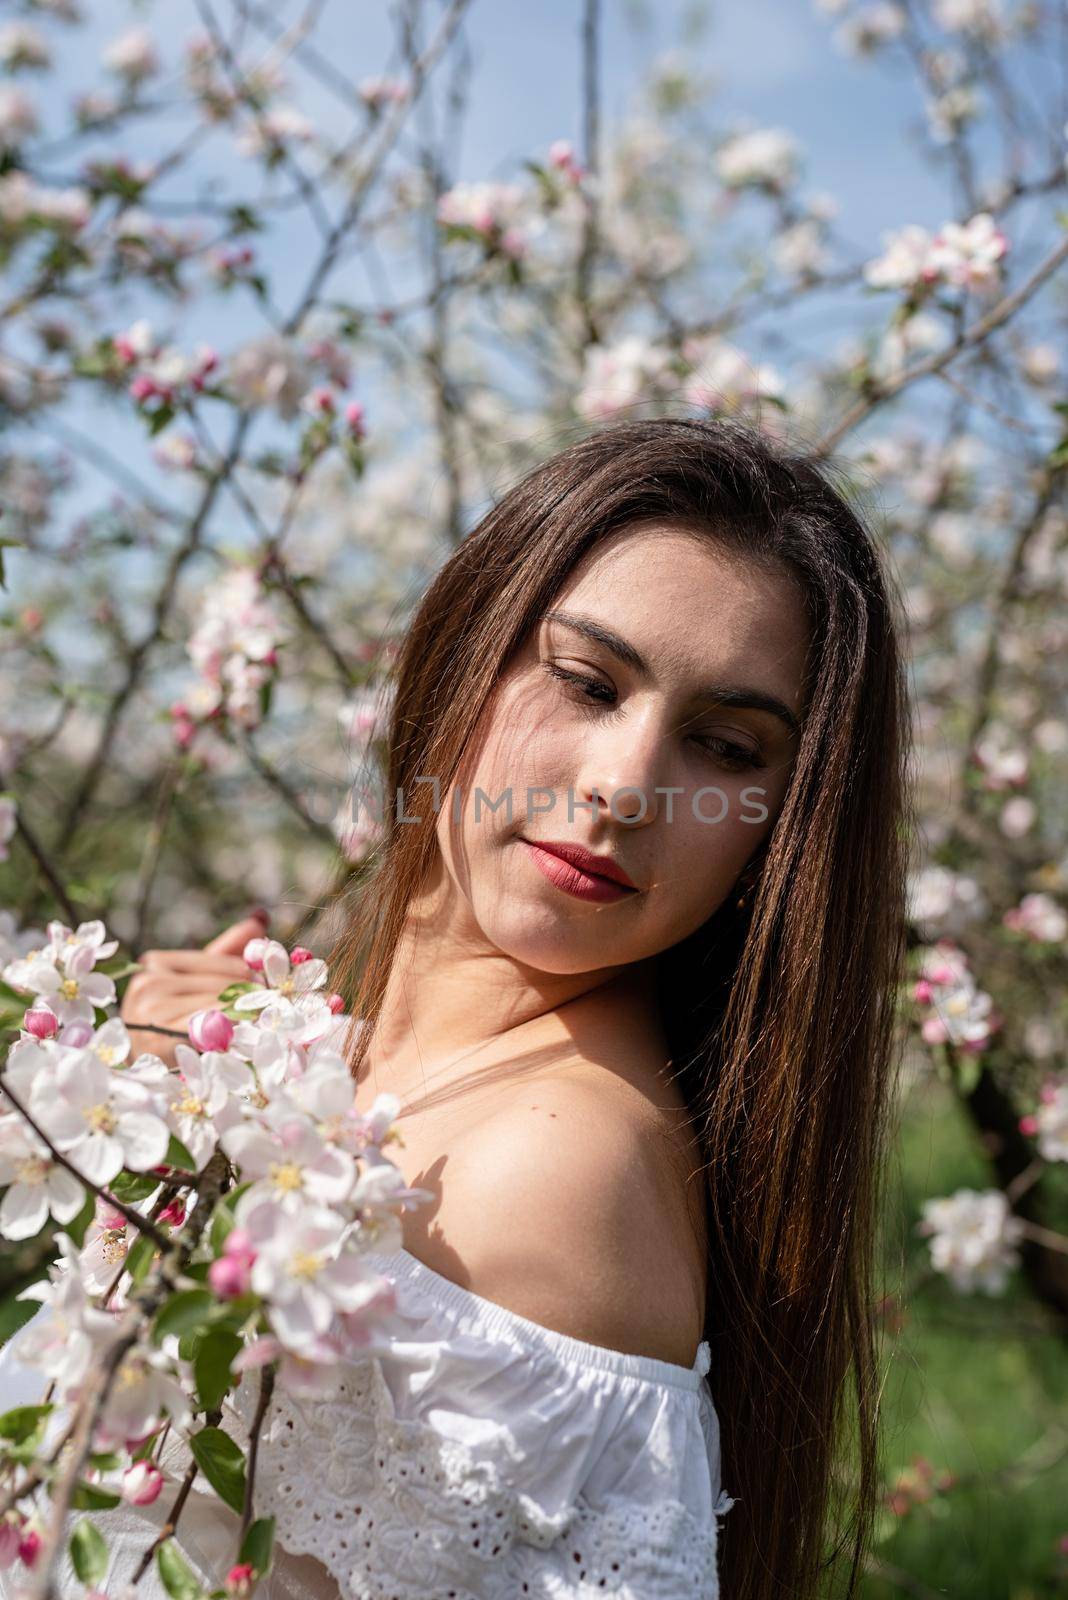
{"x": 561, "y": 1207}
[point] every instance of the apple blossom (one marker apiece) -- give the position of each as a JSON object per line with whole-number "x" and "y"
{"x": 284, "y": 978}
{"x": 764, "y": 158}
{"x": 36, "y": 1185}
{"x": 100, "y": 1120}
{"x": 1040, "y": 918}
{"x": 304, "y": 1270}
{"x": 41, "y": 1021}
{"x": 205, "y": 1099}
{"x": 973, "y": 1238}
{"x": 291, "y": 1160}
{"x": 142, "y": 1483}
{"x": 210, "y": 1030}
{"x": 132, "y": 56}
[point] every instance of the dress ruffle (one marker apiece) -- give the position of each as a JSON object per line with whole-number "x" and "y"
{"x": 471, "y": 1455}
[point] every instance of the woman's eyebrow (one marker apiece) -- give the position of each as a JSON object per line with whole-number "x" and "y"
{"x": 737, "y": 695}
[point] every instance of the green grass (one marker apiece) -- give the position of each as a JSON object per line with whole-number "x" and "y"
{"x": 978, "y": 1386}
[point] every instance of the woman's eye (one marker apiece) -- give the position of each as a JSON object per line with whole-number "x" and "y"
{"x": 591, "y": 688}
{"x": 736, "y": 757}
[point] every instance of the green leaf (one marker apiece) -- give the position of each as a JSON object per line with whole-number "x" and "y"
{"x": 257, "y": 1545}
{"x": 176, "y": 1575}
{"x": 15, "y": 1313}
{"x": 222, "y": 1219}
{"x": 222, "y": 1463}
{"x": 967, "y": 1071}
{"x": 178, "y": 1156}
{"x": 88, "y": 1553}
{"x": 211, "y": 1366}
{"x": 159, "y": 419}
{"x": 139, "y": 1260}
{"x": 130, "y": 1187}
{"x": 239, "y": 986}
{"x": 183, "y": 1313}
{"x": 22, "y": 1421}
{"x": 89, "y": 1497}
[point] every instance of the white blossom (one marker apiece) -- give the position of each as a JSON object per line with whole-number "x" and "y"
{"x": 205, "y": 1098}
{"x": 973, "y": 1238}
{"x": 100, "y": 1120}
{"x": 284, "y": 979}
{"x": 969, "y": 254}
{"x": 618, "y": 376}
{"x": 1040, "y": 918}
{"x": 18, "y": 116}
{"x": 905, "y": 262}
{"x": 132, "y": 56}
{"x": 759, "y": 158}
{"x": 37, "y": 1186}
{"x": 22, "y": 45}
{"x": 1050, "y": 1121}
{"x": 303, "y": 1269}
{"x": 942, "y": 901}
{"x": 294, "y": 1164}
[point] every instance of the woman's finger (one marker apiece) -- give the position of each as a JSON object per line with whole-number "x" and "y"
{"x": 161, "y": 961}
{"x": 233, "y": 940}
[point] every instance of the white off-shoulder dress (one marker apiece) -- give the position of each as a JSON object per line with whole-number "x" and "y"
{"x": 476, "y": 1455}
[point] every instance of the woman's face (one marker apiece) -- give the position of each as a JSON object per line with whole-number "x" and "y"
{"x": 627, "y": 744}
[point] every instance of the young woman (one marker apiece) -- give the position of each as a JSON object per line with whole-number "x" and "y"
{"x": 641, "y": 1023}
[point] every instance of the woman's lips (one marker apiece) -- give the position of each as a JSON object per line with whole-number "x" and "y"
{"x": 573, "y": 880}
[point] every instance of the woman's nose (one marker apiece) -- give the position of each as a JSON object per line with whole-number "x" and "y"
{"x": 623, "y": 769}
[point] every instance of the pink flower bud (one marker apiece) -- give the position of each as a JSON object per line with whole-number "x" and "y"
{"x": 336, "y": 1002}
{"x": 210, "y": 1030}
{"x": 1048, "y": 1094}
{"x": 142, "y": 388}
{"x": 254, "y": 952}
{"x": 29, "y": 1547}
{"x": 561, "y": 153}
{"x": 922, "y": 992}
{"x": 298, "y": 955}
{"x": 239, "y": 1580}
{"x": 1028, "y": 1124}
{"x": 142, "y": 1483}
{"x": 354, "y": 419}
{"x": 229, "y": 1277}
{"x": 934, "y": 1031}
{"x": 41, "y": 1021}
{"x": 173, "y": 1214}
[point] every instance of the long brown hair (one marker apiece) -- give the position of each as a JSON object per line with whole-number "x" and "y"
{"x": 780, "y": 1012}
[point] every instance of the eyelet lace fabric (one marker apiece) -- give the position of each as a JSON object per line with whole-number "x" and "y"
{"x": 472, "y": 1455}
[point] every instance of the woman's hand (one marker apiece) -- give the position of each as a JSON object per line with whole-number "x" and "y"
{"x": 175, "y": 984}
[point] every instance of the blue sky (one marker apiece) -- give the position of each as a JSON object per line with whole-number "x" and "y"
{"x": 774, "y": 61}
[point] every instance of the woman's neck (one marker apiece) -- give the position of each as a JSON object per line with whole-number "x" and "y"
{"x": 453, "y": 1001}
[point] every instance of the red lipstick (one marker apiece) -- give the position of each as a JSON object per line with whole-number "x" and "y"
{"x": 579, "y": 871}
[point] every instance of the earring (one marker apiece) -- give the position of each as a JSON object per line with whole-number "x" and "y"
{"x": 746, "y": 881}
